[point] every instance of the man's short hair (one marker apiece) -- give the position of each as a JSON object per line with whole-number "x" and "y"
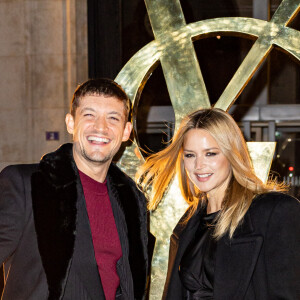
{"x": 99, "y": 87}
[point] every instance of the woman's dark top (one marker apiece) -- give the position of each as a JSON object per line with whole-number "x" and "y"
{"x": 197, "y": 264}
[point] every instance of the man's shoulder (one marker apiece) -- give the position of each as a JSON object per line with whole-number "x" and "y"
{"x": 24, "y": 169}
{"x": 123, "y": 181}
{"x": 63, "y": 152}
{"x": 118, "y": 175}
{"x": 60, "y": 154}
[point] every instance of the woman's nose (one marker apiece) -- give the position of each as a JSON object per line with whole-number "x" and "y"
{"x": 199, "y": 162}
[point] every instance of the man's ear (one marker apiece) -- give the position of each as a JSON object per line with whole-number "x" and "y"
{"x": 69, "y": 123}
{"x": 127, "y": 131}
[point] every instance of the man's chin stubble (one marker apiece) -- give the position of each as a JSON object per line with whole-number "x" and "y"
{"x": 93, "y": 160}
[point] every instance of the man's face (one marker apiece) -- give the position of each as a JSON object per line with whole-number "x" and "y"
{"x": 98, "y": 129}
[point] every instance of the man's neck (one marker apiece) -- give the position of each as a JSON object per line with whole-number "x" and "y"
{"x": 96, "y": 171}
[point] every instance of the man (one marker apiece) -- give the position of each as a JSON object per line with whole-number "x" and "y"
{"x": 74, "y": 225}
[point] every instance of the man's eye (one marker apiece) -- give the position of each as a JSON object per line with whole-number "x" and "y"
{"x": 114, "y": 118}
{"x": 88, "y": 115}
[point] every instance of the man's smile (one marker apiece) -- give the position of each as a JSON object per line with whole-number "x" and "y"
{"x": 98, "y": 140}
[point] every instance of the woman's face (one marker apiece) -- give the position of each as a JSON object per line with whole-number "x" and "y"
{"x": 206, "y": 165}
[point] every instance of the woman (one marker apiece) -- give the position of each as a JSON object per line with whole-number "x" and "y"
{"x": 239, "y": 239}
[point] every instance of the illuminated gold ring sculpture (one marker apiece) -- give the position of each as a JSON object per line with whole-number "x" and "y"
{"x": 173, "y": 47}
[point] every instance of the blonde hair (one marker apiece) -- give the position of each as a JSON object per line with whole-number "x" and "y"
{"x": 159, "y": 169}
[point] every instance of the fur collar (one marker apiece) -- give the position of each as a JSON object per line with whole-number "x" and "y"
{"x": 55, "y": 189}
{"x": 59, "y": 167}
{"x": 54, "y": 196}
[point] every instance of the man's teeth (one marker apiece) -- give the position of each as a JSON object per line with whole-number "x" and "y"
{"x": 98, "y": 139}
{"x": 204, "y": 175}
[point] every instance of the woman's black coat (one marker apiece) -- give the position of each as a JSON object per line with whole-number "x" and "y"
{"x": 261, "y": 261}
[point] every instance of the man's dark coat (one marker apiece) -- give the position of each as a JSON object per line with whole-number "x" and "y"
{"x": 261, "y": 261}
{"x": 45, "y": 238}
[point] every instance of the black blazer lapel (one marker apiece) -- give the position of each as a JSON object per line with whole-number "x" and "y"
{"x": 123, "y": 265}
{"x": 235, "y": 262}
{"x": 182, "y": 235}
{"x": 84, "y": 263}
{"x": 181, "y": 238}
{"x": 54, "y": 196}
{"x": 129, "y": 209}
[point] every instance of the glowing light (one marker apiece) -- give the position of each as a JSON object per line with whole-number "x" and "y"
{"x": 291, "y": 169}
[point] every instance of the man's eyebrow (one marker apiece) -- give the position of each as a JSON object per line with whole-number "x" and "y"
{"x": 84, "y": 109}
{"x": 120, "y": 115}
{"x": 115, "y": 113}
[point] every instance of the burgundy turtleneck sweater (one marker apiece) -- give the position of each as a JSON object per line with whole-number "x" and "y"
{"x": 105, "y": 236}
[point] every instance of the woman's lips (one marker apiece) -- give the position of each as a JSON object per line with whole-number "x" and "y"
{"x": 203, "y": 177}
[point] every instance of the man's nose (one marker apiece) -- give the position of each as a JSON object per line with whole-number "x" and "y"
{"x": 100, "y": 124}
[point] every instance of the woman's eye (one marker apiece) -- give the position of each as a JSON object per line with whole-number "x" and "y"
{"x": 211, "y": 153}
{"x": 188, "y": 155}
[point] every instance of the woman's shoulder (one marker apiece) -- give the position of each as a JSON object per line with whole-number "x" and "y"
{"x": 273, "y": 209}
{"x": 270, "y": 201}
{"x": 274, "y": 198}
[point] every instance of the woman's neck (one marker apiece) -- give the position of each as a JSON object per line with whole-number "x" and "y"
{"x": 213, "y": 204}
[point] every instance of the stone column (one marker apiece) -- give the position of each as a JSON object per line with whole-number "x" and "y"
{"x": 43, "y": 56}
